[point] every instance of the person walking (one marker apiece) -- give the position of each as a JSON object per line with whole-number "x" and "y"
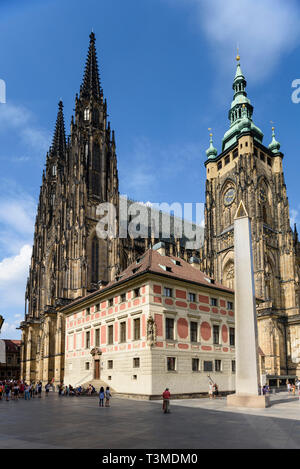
{"x": 215, "y": 390}
{"x": 107, "y": 397}
{"x": 27, "y": 389}
{"x": 210, "y": 389}
{"x": 7, "y": 391}
{"x": 16, "y": 391}
{"x": 166, "y": 401}
{"x": 32, "y": 389}
{"x": 288, "y": 387}
{"x": 1, "y": 391}
{"x": 47, "y": 389}
{"x": 39, "y": 389}
{"x": 101, "y": 397}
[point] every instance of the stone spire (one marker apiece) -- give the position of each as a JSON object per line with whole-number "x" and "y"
{"x": 59, "y": 139}
{"x": 91, "y": 82}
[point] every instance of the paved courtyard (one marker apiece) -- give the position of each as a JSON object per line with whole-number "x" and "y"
{"x": 71, "y": 422}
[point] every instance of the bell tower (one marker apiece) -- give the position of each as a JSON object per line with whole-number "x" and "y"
{"x": 247, "y": 170}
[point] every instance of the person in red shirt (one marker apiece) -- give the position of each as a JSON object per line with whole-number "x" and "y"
{"x": 166, "y": 401}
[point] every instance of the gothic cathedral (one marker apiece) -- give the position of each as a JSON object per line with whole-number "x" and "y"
{"x": 69, "y": 260}
{"x": 249, "y": 171}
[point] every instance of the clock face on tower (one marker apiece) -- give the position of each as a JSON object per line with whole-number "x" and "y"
{"x": 229, "y": 196}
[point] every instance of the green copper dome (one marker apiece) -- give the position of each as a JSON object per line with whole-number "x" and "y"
{"x": 274, "y": 145}
{"x": 211, "y": 152}
{"x": 240, "y": 113}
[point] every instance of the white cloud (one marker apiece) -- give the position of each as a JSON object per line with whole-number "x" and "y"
{"x": 13, "y": 274}
{"x": 264, "y": 31}
{"x": 14, "y": 269}
{"x": 293, "y": 216}
{"x": 22, "y": 119}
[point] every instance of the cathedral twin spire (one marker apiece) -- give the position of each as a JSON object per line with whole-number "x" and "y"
{"x": 91, "y": 83}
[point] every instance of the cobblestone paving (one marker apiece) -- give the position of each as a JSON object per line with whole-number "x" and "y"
{"x": 72, "y": 422}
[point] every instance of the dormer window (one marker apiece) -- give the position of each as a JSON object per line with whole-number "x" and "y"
{"x": 86, "y": 114}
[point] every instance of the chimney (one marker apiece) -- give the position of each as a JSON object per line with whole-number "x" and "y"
{"x": 160, "y": 248}
{"x": 195, "y": 262}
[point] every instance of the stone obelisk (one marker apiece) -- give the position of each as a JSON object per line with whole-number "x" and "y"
{"x": 246, "y": 344}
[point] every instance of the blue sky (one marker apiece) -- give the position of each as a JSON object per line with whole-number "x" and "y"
{"x": 166, "y": 69}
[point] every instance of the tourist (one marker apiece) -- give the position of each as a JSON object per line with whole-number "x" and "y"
{"x": 288, "y": 387}
{"x": 210, "y": 389}
{"x": 293, "y": 389}
{"x": 101, "y": 396}
{"x": 27, "y": 389}
{"x": 39, "y": 389}
{"x": 47, "y": 388}
{"x": 16, "y": 391}
{"x": 21, "y": 389}
{"x": 166, "y": 401}
{"x": 1, "y": 391}
{"x": 7, "y": 390}
{"x": 32, "y": 390}
{"x": 215, "y": 390}
{"x": 107, "y": 397}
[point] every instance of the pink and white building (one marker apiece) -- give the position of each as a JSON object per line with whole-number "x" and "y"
{"x": 161, "y": 323}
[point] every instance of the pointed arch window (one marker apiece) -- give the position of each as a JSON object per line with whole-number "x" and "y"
{"x": 95, "y": 259}
{"x": 54, "y": 170}
{"x": 86, "y": 114}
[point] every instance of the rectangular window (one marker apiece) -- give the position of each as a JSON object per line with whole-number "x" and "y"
{"x": 110, "y": 302}
{"x": 88, "y": 311}
{"x": 216, "y": 334}
{"x": 167, "y": 291}
{"x": 97, "y": 307}
{"x": 136, "y": 292}
{"x": 235, "y": 153}
{"x": 231, "y": 336}
{"x": 220, "y": 165}
{"x": 87, "y": 365}
{"x": 123, "y": 297}
{"x": 87, "y": 339}
{"x": 123, "y": 331}
{"x": 218, "y": 365}
{"x": 195, "y": 364}
{"x": 111, "y": 334}
{"x": 170, "y": 328}
{"x": 136, "y": 363}
{"x": 233, "y": 366}
{"x": 227, "y": 159}
{"x": 137, "y": 329}
{"x": 97, "y": 337}
{"x": 207, "y": 366}
{"x": 192, "y": 297}
{"x": 213, "y": 302}
{"x": 110, "y": 364}
{"x": 269, "y": 162}
{"x": 255, "y": 151}
{"x": 171, "y": 363}
{"x": 229, "y": 305}
{"x": 194, "y": 331}
{"x": 262, "y": 157}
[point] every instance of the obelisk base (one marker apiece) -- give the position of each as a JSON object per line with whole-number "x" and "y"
{"x": 248, "y": 400}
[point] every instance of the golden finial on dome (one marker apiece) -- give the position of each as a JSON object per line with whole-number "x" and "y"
{"x": 238, "y": 55}
{"x": 210, "y": 133}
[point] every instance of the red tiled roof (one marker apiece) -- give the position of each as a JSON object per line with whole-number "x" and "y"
{"x": 12, "y": 345}
{"x": 174, "y": 267}
{"x": 153, "y": 262}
